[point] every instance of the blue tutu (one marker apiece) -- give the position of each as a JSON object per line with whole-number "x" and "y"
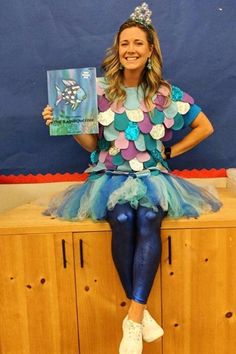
{"x": 100, "y": 193}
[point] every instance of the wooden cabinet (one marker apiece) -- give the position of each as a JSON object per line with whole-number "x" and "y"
{"x": 37, "y": 292}
{"x": 60, "y": 293}
{"x": 198, "y": 291}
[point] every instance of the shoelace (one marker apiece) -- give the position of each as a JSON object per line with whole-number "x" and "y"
{"x": 134, "y": 331}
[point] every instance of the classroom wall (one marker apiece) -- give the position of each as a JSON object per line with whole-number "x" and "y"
{"x": 198, "y": 45}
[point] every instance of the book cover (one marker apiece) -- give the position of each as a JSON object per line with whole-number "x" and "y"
{"x": 73, "y": 97}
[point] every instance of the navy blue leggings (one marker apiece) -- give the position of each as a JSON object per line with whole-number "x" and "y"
{"x": 136, "y": 248}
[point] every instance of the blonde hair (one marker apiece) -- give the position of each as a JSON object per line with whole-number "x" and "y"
{"x": 150, "y": 81}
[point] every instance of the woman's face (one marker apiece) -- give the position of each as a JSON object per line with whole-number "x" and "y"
{"x": 134, "y": 49}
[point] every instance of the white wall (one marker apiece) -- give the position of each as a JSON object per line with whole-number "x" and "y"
{"x": 13, "y": 195}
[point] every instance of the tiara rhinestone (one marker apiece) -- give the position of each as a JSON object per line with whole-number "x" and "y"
{"x": 142, "y": 15}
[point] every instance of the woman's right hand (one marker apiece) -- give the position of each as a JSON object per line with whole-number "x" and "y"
{"x": 48, "y": 115}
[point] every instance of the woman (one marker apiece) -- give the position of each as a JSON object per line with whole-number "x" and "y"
{"x": 129, "y": 182}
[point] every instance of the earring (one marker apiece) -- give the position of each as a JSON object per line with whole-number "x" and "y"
{"x": 121, "y": 67}
{"x": 149, "y": 64}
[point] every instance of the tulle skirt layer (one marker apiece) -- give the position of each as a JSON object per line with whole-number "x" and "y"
{"x": 93, "y": 198}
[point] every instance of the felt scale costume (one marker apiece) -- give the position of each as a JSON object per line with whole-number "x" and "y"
{"x": 128, "y": 167}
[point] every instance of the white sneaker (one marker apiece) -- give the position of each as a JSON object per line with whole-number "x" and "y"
{"x": 131, "y": 342}
{"x": 151, "y": 329}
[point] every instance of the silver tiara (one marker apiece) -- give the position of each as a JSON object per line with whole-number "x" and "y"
{"x": 142, "y": 15}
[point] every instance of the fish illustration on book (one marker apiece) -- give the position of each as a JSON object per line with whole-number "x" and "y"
{"x": 73, "y": 94}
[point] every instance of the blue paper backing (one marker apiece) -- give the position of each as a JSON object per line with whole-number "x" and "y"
{"x": 198, "y": 45}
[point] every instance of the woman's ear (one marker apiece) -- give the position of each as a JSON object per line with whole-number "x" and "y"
{"x": 151, "y": 49}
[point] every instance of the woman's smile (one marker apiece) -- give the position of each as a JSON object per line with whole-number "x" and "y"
{"x": 131, "y": 58}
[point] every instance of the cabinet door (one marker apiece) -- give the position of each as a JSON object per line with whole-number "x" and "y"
{"x": 198, "y": 291}
{"x": 37, "y": 292}
{"x": 102, "y": 303}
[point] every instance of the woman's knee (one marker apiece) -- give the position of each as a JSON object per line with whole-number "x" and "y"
{"x": 121, "y": 214}
{"x": 149, "y": 216}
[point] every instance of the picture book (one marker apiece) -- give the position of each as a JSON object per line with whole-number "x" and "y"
{"x": 73, "y": 97}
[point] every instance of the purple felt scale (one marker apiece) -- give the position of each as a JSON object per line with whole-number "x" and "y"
{"x": 161, "y": 102}
{"x": 146, "y": 125}
{"x": 108, "y": 163}
{"x": 187, "y": 98}
{"x": 103, "y": 103}
{"x": 129, "y": 153}
{"x": 168, "y": 135}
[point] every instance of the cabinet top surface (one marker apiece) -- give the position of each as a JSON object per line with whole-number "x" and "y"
{"x": 28, "y": 218}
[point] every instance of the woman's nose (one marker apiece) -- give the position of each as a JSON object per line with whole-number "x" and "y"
{"x": 130, "y": 48}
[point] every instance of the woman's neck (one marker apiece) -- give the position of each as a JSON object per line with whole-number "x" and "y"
{"x": 131, "y": 78}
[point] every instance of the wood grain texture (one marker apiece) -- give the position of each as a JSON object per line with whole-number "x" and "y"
{"x": 198, "y": 291}
{"x": 37, "y": 307}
